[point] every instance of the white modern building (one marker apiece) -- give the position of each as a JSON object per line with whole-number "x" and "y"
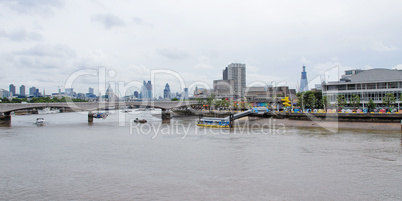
{"x": 371, "y": 84}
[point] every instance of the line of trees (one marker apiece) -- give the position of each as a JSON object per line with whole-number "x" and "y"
{"x": 212, "y": 103}
{"x": 311, "y": 100}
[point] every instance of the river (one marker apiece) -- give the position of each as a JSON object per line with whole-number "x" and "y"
{"x": 113, "y": 159}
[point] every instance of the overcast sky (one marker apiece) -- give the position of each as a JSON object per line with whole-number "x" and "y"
{"x": 43, "y": 42}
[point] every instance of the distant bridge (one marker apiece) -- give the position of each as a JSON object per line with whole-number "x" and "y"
{"x": 92, "y": 106}
{"x": 7, "y": 108}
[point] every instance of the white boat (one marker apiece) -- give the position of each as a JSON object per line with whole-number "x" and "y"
{"x": 40, "y": 122}
{"x": 48, "y": 111}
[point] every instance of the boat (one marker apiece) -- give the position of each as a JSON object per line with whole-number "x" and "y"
{"x": 140, "y": 120}
{"x": 126, "y": 111}
{"x": 48, "y": 111}
{"x": 102, "y": 115}
{"x": 214, "y": 122}
{"x": 40, "y": 121}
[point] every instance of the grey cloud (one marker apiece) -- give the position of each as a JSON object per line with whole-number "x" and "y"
{"x": 108, "y": 20}
{"x": 172, "y": 53}
{"x": 42, "y": 7}
{"x": 137, "y": 20}
{"x": 40, "y": 57}
{"x": 56, "y": 51}
{"x": 21, "y": 35}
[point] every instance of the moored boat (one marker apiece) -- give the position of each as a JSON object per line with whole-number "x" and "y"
{"x": 140, "y": 120}
{"x": 102, "y": 115}
{"x": 214, "y": 122}
{"x": 48, "y": 111}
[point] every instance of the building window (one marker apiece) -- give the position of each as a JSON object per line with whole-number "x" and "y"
{"x": 332, "y": 88}
{"x": 341, "y": 87}
{"x": 392, "y": 85}
{"x": 371, "y": 86}
{"x": 382, "y": 85}
{"x": 351, "y": 87}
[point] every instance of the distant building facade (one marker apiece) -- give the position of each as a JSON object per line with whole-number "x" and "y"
{"x": 371, "y": 84}
{"x": 235, "y": 72}
{"x": 4, "y": 93}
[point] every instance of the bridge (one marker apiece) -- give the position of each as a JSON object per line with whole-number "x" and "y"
{"x": 7, "y": 108}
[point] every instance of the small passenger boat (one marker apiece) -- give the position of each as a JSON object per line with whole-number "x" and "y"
{"x": 214, "y": 122}
{"x": 40, "y": 121}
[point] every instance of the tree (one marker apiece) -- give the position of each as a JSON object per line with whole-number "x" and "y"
{"x": 325, "y": 102}
{"x": 200, "y": 102}
{"x": 16, "y": 100}
{"x": 389, "y": 99}
{"x": 174, "y": 99}
{"x": 225, "y": 103}
{"x": 311, "y": 101}
{"x": 5, "y": 100}
{"x": 218, "y": 103}
{"x": 318, "y": 98}
{"x": 371, "y": 105}
{"x": 340, "y": 101}
{"x": 211, "y": 101}
{"x": 300, "y": 99}
{"x": 355, "y": 101}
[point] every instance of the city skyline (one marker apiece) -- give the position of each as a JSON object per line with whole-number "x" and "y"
{"x": 58, "y": 38}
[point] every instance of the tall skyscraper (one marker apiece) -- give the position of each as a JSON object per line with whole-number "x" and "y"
{"x": 233, "y": 81}
{"x": 225, "y": 74}
{"x": 22, "y": 90}
{"x": 166, "y": 92}
{"x": 303, "y": 81}
{"x": 237, "y": 73}
{"x": 32, "y": 91}
{"x": 146, "y": 91}
{"x": 12, "y": 90}
{"x": 185, "y": 95}
{"x": 91, "y": 90}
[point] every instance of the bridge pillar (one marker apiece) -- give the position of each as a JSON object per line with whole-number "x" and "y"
{"x": 231, "y": 121}
{"x": 90, "y": 117}
{"x": 6, "y": 118}
{"x": 165, "y": 114}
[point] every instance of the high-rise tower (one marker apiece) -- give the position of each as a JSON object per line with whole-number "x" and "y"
{"x": 166, "y": 92}
{"x": 12, "y": 90}
{"x": 237, "y": 73}
{"x": 22, "y": 90}
{"x": 303, "y": 81}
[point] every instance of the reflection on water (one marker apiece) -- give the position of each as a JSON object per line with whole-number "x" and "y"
{"x": 71, "y": 159}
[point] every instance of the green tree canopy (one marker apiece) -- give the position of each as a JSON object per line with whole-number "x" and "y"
{"x": 389, "y": 99}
